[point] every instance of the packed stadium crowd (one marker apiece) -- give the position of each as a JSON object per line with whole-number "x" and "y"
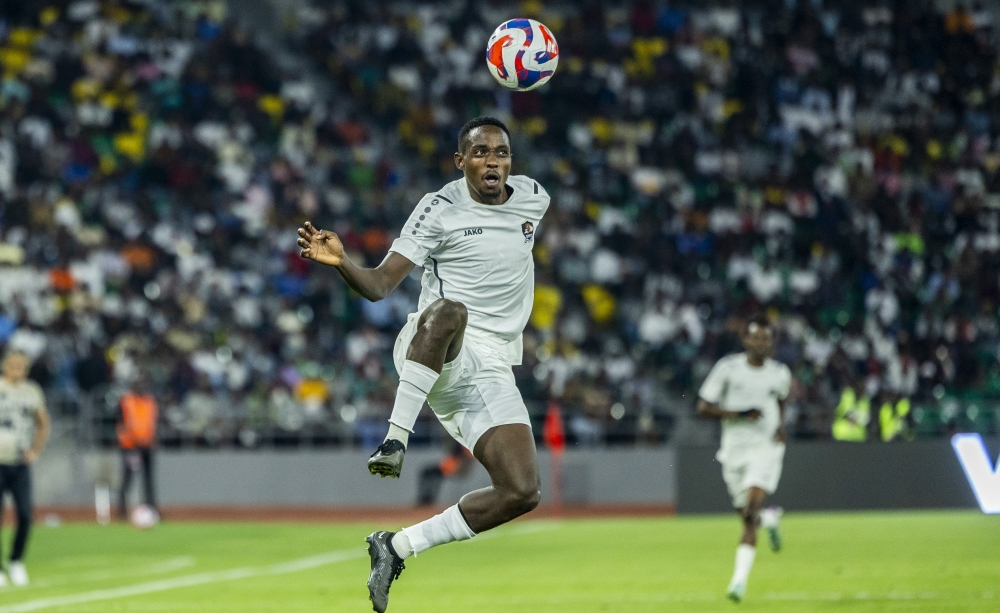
{"x": 803, "y": 160}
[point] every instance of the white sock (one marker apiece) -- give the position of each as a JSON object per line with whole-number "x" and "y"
{"x": 415, "y": 382}
{"x": 744, "y": 562}
{"x": 401, "y": 545}
{"x": 444, "y": 528}
{"x": 400, "y": 434}
{"x": 770, "y": 517}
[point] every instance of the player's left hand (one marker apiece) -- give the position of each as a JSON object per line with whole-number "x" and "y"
{"x": 781, "y": 435}
{"x": 30, "y": 456}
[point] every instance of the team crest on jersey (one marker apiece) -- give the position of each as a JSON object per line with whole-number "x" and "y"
{"x": 529, "y": 231}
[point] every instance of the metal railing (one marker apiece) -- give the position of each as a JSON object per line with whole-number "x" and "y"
{"x": 88, "y": 421}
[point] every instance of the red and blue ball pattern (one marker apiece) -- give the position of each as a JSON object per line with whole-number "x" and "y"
{"x": 522, "y": 54}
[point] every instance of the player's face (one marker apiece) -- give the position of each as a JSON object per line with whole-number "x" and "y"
{"x": 486, "y": 163}
{"x": 15, "y": 368}
{"x": 758, "y": 341}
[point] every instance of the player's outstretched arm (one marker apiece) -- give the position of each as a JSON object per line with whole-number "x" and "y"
{"x": 374, "y": 284}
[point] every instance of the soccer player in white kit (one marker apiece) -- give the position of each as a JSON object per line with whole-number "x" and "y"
{"x": 746, "y": 391}
{"x": 473, "y": 239}
{"x": 24, "y": 430}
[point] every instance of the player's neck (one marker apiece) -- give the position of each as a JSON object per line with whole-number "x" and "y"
{"x": 500, "y": 198}
{"x": 755, "y": 361}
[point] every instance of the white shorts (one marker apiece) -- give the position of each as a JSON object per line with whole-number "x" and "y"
{"x": 760, "y": 467}
{"x": 476, "y": 390}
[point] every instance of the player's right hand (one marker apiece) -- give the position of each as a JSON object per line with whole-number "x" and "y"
{"x": 322, "y": 246}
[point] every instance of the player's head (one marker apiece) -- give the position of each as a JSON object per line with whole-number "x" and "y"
{"x": 758, "y": 337}
{"x": 15, "y": 365}
{"x": 484, "y": 156}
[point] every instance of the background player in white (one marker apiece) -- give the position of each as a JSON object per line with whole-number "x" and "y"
{"x": 24, "y": 429}
{"x": 746, "y": 391}
{"x": 473, "y": 238}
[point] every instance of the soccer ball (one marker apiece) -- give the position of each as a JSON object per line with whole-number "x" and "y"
{"x": 144, "y": 516}
{"x": 522, "y": 54}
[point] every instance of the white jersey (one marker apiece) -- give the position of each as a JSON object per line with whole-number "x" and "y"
{"x": 19, "y": 403}
{"x": 735, "y": 385}
{"x": 479, "y": 255}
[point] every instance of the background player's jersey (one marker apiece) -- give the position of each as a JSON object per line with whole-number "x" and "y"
{"x": 479, "y": 255}
{"x": 19, "y": 402}
{"x": 735, "y": 385}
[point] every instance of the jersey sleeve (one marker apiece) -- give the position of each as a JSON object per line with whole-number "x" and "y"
{"x": 422, "y": 233}
{"x": 542, "y": 198}
{"x": 785, "y": 384}
{"x": 715, "y": 383}
{"x": 38, "y": 396}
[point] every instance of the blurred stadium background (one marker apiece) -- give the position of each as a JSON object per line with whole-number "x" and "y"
{"x": 834, "y": 164}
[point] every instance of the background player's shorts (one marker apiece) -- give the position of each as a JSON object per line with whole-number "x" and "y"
{"x": 475, "y": 392}
{"x": 754, "y": 467}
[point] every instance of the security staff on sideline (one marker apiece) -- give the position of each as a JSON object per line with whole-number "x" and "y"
{"x": 24, "y": 430}
{"x": 850, "y": 423}
{"x": 136, "y": 426}
{"x": 892, "y": 418}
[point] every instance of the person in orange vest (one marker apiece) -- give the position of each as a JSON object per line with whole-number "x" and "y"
{"x": 456, "y": 463}
{"x": 136, "y": 425}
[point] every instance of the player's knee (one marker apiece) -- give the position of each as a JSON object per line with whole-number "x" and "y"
{"x": 524, "y": 499}
{"x": 532, "y": 499}
{"x": 453, "y": 312}
{"x": 448, "y": 315}
{"x": 24, "y": 518}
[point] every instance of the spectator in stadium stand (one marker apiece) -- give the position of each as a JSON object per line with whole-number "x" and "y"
{"x": 138, "y": 414}
{"x": 850, "y": 422}
{"x": 456, "y": 463}
{"x": 24, "y": 430}
{"x": 705, "y": 163}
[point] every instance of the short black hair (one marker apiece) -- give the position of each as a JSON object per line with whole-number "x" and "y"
{"x": 478, "y": 122}
{"x": 760, "y": 320}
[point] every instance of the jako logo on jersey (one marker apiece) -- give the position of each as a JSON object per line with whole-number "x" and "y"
{"x": 983, "y": 476}
{"x": 529, "y": 231}
{"x": 473, "y": 231}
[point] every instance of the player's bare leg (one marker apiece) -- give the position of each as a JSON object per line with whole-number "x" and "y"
{"x": 747, "y": 550}
{"x": 508, "y": 453}
{"x": 438, "y": 341}
{"x": 751, "y": 515}
{"x": 770, "y": 518}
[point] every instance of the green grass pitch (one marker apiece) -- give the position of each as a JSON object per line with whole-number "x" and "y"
{"x": 929, "y": 561}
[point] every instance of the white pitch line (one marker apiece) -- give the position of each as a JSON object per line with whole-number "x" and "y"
{"x": 529, "y": 527}
{"x": 233, "y": 574}
{"x": 174, "y": 583}
{"x": 769, "y": 596}
{"x": 160, "y": 568}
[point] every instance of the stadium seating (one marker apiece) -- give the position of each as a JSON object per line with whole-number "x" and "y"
{"x": 704, "y": 164}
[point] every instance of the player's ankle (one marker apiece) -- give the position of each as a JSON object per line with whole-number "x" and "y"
{"x": 400, "y": 545}
{"x": 400, "y": 434}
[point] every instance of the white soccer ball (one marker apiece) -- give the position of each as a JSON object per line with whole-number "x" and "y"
{"x": 522, "y": 54}
{"x": 144, "y": 516}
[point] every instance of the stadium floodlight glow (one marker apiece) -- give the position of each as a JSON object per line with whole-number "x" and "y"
{"x": 983, "y": 476}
